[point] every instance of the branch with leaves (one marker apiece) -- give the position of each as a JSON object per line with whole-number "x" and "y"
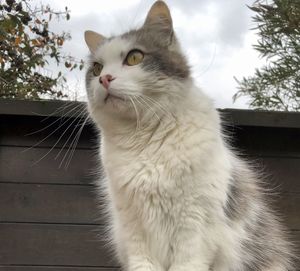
{"x": 27, "y": 46}
{"x": 276, "y": 86}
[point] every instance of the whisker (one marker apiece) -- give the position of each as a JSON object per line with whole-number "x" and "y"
{"x": 137, "y": 12}
{"x": 54, "y": 131}
{"x": 158, "y": 105}
{"x": 137, "y": 114}
{"x": 59, "y": 110}
{"x": 56, "y": 111}
{"x": 75, "y": 143}
{"x": 138, "y": 124}
{"x": 49, "y": 125}
{"x": 144, "y": 102}
{"x": 45, "y": 155}
{"x": 82, "y": 115}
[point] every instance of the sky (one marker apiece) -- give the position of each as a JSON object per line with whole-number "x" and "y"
{"x": 215, "y": 35}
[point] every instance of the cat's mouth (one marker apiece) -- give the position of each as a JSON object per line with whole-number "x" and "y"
{"x": 110, "y": 96}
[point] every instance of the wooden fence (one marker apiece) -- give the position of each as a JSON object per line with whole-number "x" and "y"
{"x": 49, "y": 218}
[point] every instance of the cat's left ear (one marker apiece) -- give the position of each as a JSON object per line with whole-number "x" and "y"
{"x": 159, "y": 14}
{"x": 93, "y": 40}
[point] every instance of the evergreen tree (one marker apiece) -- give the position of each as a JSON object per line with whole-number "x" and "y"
{"x": 276, "y": 86}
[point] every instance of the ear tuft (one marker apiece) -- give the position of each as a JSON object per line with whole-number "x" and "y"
{"x": 159, "y": 12}
{"x": 93, "y": 40}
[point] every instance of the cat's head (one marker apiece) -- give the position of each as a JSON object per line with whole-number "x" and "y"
{"x": 138, "y": 73}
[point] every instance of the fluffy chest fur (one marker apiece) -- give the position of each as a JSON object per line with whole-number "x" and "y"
{"x": 165, "y": 186}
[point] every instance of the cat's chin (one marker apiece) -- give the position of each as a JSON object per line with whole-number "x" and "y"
{"x": 111, "y": 98}
{"x": 113, "y": 106}
{"x": 116, "y": 104}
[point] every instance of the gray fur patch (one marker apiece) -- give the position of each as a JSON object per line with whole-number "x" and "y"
{"x": 266, "y": 245}
{"x": 170, "y": 64}
{"x": 236, "y": 204}
{"x": 231, "y": 207}
{"x": 160, "y": 57}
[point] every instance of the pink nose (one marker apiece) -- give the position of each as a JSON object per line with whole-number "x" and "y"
{"x": 105, "y": 80}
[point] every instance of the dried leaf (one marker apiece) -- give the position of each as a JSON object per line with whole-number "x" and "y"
{"x": 17, "y": 41}
{"x": 60, "y": 41}
{"x": 35, "y": 42}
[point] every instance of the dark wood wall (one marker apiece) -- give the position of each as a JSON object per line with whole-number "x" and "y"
{"x": 49, "y": 219}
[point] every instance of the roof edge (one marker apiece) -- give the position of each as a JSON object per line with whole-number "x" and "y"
{"x": 240, "y": 117}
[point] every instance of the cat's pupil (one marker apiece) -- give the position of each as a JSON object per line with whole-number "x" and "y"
{"x": 134, "y": 57}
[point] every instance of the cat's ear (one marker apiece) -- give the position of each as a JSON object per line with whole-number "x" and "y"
{"x": 93, "y": 40}
{"x": 159, "y": 14}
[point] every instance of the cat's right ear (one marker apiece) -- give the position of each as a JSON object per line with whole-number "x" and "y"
{"x": 159, "y": 22}
{"x": 159, "y": 13}
{"x": 93, "y": 40}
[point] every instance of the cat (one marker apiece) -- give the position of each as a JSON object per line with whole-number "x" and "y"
{"x": 178, "y": 197}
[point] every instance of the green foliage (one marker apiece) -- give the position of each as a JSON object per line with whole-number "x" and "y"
{"x": 26, "y": 48}
{"x": 276, "y": 86}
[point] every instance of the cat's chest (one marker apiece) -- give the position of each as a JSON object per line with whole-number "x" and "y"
{"x": 137, "y": 175}
{"x": 147, "y": 182}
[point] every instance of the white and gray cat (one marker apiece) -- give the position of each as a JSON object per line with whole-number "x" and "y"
{"x": 178, "y": 198}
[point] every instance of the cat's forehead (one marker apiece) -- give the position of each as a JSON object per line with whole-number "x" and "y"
{"x": 114, "y": 48}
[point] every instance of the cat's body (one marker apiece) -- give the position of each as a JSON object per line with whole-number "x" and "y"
{"x": 178, "y": 198}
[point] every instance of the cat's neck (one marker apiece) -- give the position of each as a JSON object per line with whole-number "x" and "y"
{"x": 138, "y": 135}
{"x": 194, "y": 110}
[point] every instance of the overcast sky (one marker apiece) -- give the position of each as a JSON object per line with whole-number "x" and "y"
{"x": 215, "y": 35}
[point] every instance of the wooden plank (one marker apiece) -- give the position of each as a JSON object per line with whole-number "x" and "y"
{"x": 57, "y": 245}
{"x": 36, "y": 108}
{"x": 46, "y": 244}
{"x": 38, "y": 165}
{"x": 242, "y": 117}
{"x": 46, "y": 132}
{"x": 234, "y": 116}
{"x": 75, "y": 204}
{"x": 79, "y": 204}
{"x": 83, "y": 162}
{"x": 288, "y": 206}
{"x": 49, "y": 203}
{"x": 56, "y": 268}
{"x": 283, "y": 174}
{"x": 265, "y": 141}
{"x": 14, "y": 128}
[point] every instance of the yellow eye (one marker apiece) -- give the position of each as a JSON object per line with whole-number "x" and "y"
{"x": 97, "y": 69}
{"x": 134, "y": 57}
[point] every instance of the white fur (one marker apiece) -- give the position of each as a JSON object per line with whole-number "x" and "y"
{"x": 168, "y": 171}
{"x": 167, "y": 196}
